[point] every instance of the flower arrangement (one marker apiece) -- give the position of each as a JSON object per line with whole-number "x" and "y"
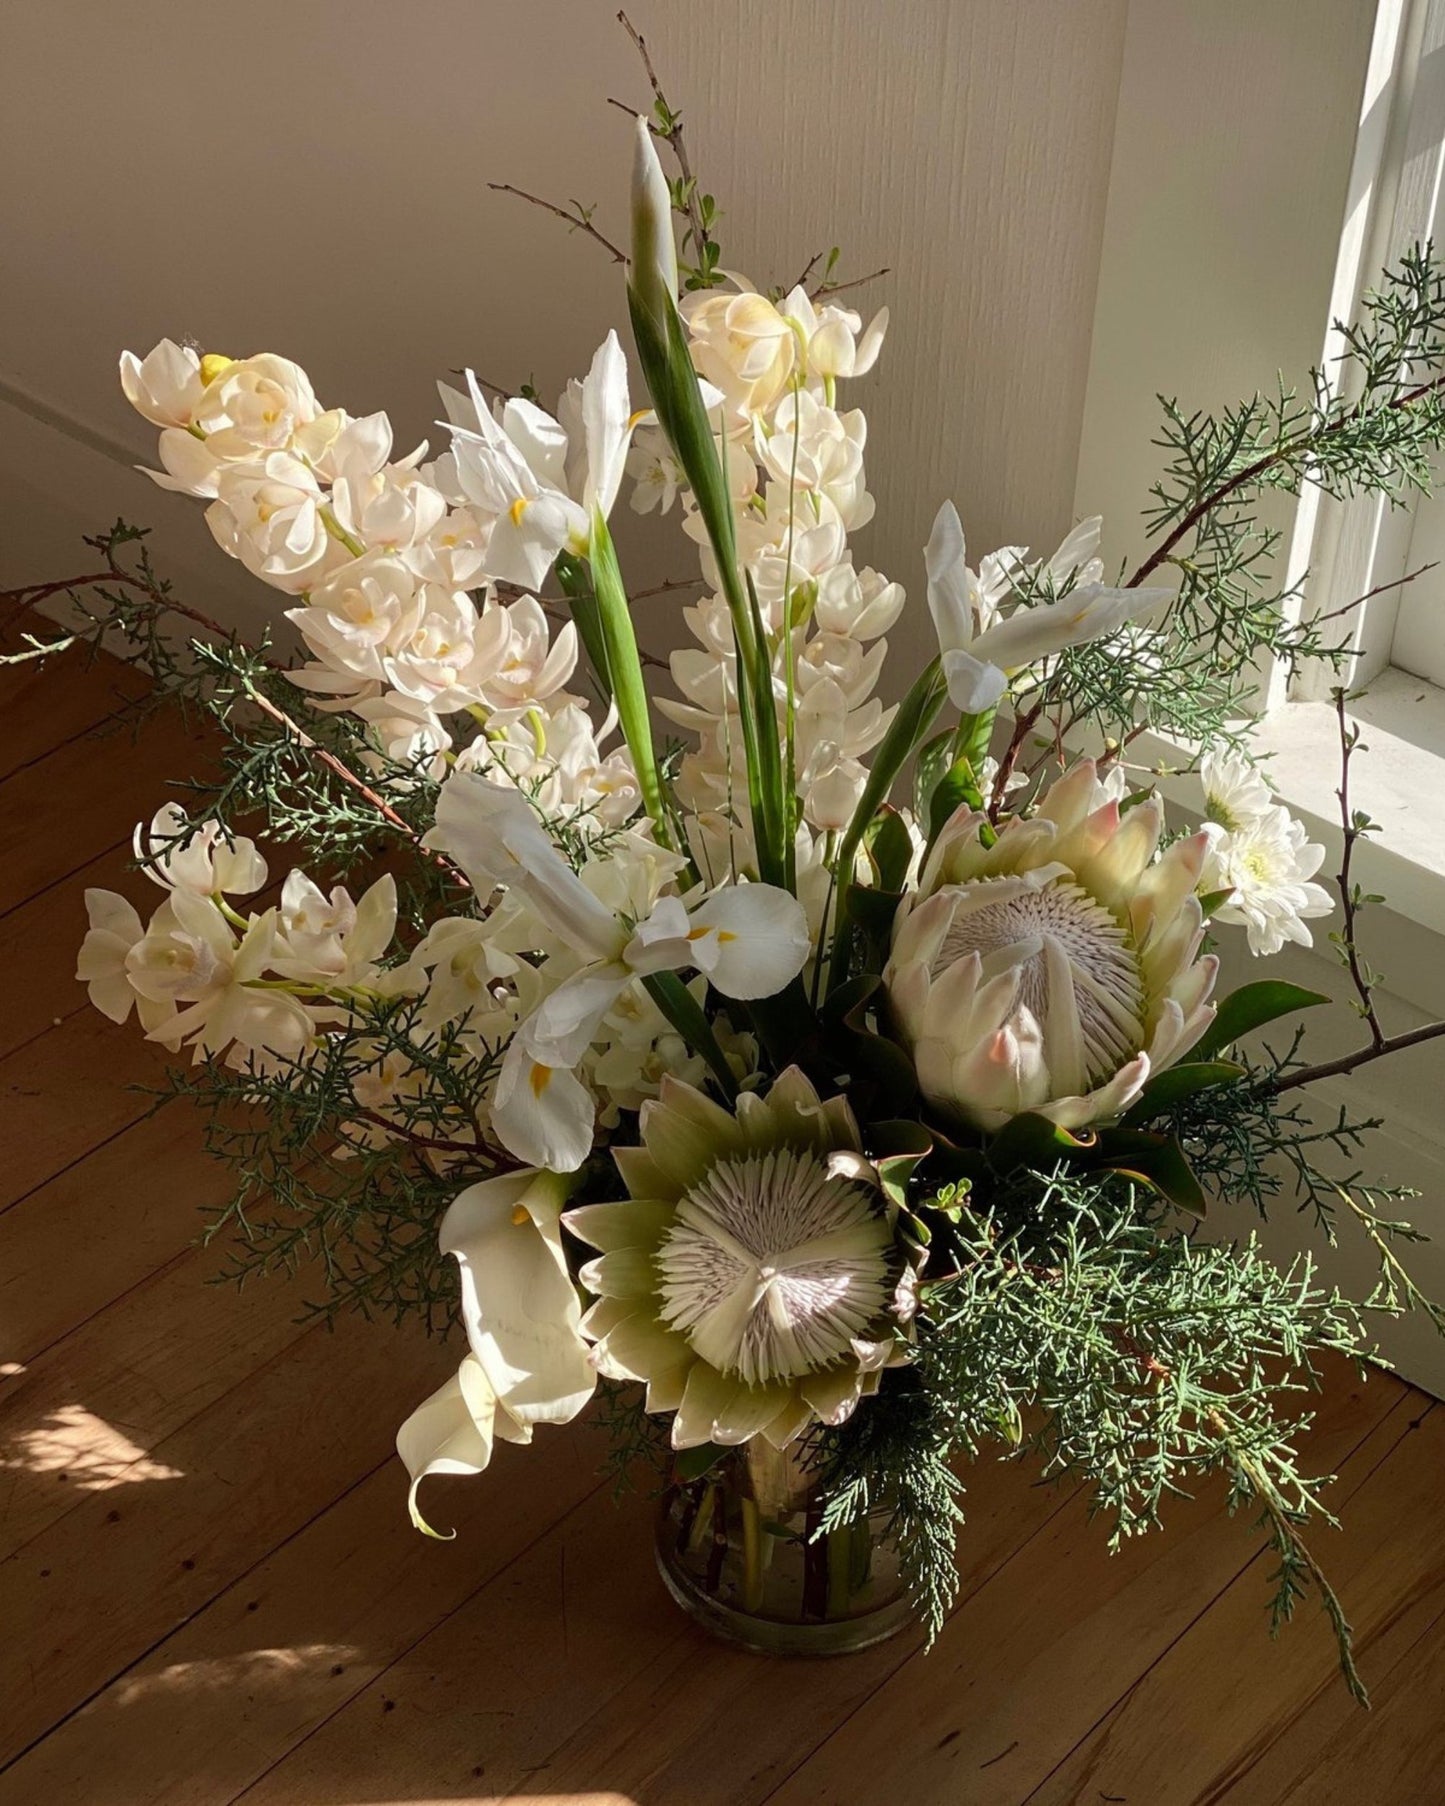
{"x": 835, "y": 1083}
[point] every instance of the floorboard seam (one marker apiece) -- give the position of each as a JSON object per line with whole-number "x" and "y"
{"x": 1256, "y": 1555}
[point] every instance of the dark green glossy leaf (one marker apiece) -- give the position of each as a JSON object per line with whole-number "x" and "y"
{"x": 1175, "y": 1083}
{"x": 1033, "y": 1141}
{"x": 890, "y": 848}
{"x": 1156, "y": 1159}
{"x": 692, "y": 1464}
{"x": 1249, "y": 1008}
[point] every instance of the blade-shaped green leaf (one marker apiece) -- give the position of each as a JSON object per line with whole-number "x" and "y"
{"x": 686, "y": 1015}
{"x": 1156, "y": 1159}
{"x": 890, "y": 847}
{"x": 576, "y": 581}
{"x": 624, "y": 669}
{"x": 914, "y": 718}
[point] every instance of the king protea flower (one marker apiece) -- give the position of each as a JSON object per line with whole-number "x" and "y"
{"x": 1054, "y": 970}
{"x": 752, "y": 1279}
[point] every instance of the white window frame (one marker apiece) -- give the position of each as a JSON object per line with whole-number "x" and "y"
{"x": 1351, "y": 177}
{"x": 1340, "y": 551}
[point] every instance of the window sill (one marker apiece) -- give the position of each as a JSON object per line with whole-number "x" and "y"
{"x": 1397, "y": 777}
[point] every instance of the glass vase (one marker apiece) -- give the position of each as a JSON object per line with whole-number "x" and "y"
{"x": 742, "y": 1550}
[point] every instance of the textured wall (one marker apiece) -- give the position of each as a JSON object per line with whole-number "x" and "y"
{"x": 312, "y": 179}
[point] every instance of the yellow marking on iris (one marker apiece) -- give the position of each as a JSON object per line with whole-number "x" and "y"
{"x": 212, "y": 364}
{"x": 541, "y": 1078}
{"x": 518, "y": 509}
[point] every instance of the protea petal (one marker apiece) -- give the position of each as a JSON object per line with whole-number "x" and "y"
{"x": 1054, "y": 969}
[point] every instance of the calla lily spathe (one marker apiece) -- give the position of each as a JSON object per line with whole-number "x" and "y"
{"x": 750, "y": 940}
{"x": 980, "y": 653}
{"x": 527, "y": 1362}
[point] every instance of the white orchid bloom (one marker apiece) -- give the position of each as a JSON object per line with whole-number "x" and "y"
{"x": 165, "y": 385}
{"x": 333, "y": 940}
{"x": 541, "y": 487}
{"x": 270, "y": 516}
{"x": 527, "y": 1362}
{"x": 207, "y": 864}
{"x": 749, "y": 940}
{"x": 103, "y": 965}
{"x": 978, "y": 665}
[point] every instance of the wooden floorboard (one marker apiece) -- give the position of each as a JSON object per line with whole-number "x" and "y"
{"x": 210, "y": 1591}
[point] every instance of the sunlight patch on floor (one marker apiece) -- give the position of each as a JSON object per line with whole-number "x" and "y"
{"x": 91, "y": 1453}
{"x": 248, "y": 1671}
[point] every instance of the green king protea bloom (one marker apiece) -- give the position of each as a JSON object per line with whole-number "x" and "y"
{"x": 753, "y": 1279}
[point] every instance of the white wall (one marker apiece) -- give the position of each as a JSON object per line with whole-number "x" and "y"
{"x": 311, "y": 178}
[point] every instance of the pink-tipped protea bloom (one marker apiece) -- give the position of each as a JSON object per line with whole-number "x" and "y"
{"x": 1056, "y": 969}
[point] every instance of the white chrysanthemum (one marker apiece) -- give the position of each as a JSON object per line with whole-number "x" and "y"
{"x": 1266, "y": 866}
{"x": 1235, "y": 793}
{"x": 752, "y": 1279}
{"x": 1053, "y": 967}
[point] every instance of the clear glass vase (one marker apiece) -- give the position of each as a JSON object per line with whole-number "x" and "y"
{"x": 742, "y": 1551}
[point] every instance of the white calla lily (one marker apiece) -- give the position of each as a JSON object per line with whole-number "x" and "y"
{"x": 453, "y": 1432}
{"x": 527, "y": 1361}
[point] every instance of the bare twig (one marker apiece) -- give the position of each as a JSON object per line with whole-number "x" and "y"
{"x": 668, "y": 586}
{"x": 1380, "y": 589}
{"x": 30, "y": 593}
{"x": 674, "y": 137}
{"x": 1023, "y": 726}
{"x": 825, "y": 289}
{"x": 433, "y": 1144}
{"x": 576, "y": 215}
{"x": 1362, "y": 1056}
{"x": 808, "y": 268}
{"x": 1355, "y": 826}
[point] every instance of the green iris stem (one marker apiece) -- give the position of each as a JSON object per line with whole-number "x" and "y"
{"x": 972, "y": 736}
{"x": 752, "y": 1555}
{"x": 624, "y": 671}
{"x": 686, "y": 1015}
{"x": 672, "y": 383}
{"x": 914, "y": 718}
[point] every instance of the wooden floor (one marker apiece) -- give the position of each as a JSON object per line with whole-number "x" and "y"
{"x": 211, "y": 1592}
